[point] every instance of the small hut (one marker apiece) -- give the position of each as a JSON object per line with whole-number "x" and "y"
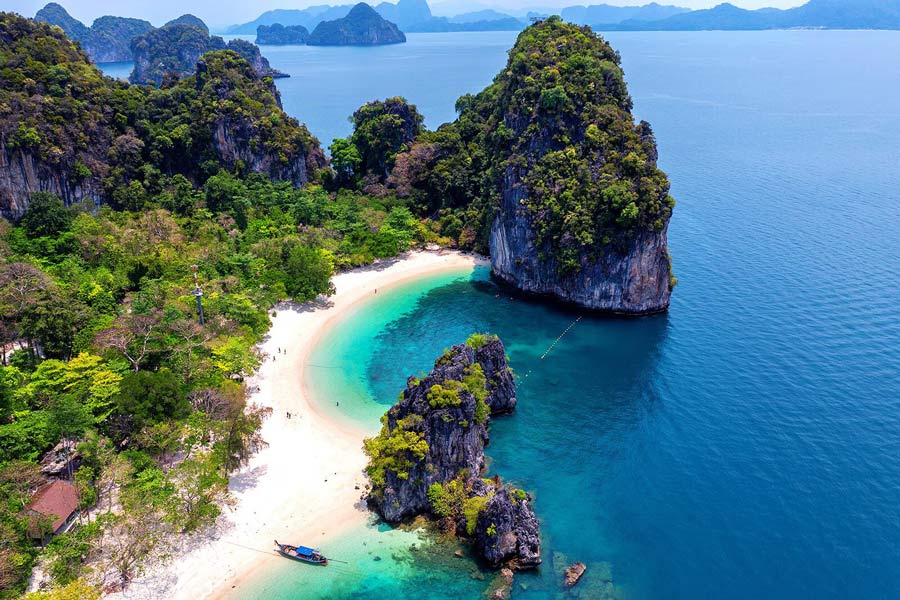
{"x": 52, "y": 509}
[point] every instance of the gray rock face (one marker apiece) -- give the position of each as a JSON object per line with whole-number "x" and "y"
{"x": 631, "y": 277}
{"x": 506, "y": 530}
{"x": 22, "y": 174}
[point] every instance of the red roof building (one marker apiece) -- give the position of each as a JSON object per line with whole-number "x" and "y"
{"x": 58, "y": 501}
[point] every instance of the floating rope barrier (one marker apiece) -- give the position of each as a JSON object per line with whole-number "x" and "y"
{"x": 550, "y": 347}
{"x": 561, "y": 336}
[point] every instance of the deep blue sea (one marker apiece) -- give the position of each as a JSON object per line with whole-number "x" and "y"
{"x": 746, "y": 444}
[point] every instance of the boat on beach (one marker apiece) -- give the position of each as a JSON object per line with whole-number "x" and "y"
{"x": 301, "y": 553}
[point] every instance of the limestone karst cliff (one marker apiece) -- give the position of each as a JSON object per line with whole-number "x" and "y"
{"x": 175, "y": 49}
{"x": 429, "y": 456}
{"x": 362, "y": 26}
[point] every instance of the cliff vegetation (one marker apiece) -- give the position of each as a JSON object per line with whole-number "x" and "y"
{"x": 547, "y": 170}
{"x": 429, "y": 456}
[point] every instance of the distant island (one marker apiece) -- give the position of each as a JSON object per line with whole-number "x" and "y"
{"x": 411, "y": 16}
{"x": 815, "y": 14}
{"x": 415, "y": 16}
{"x": 361, "y": 27}
{"x": 107, "y": 40}
{"x": 279, "y": 35}
{"x": 172, "y": 49}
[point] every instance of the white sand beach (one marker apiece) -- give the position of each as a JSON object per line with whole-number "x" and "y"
{"x": 305, "y": 487}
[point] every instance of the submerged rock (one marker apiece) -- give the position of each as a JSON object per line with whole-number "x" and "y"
{"x": 429, "y": 455}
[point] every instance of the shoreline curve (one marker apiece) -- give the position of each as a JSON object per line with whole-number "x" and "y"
{"x": 306, "y": 485}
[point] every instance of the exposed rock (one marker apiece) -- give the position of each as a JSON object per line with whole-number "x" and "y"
{"x": 362, "y": 26}
{"x": 631, "y": 277}
{"x": 430, "y": 454}
{"x": 279, "y": 35}
{"x": 574, "y": 573}
{"x": 507, "y": 530}
{"x": 583, "y": 210}
{"x": 501, "y": 586}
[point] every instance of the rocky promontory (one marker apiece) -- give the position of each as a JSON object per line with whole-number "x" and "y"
{"x": 362, "y": 26}
{"x": 429, "y": 457}
{"x": 279, "y": 35}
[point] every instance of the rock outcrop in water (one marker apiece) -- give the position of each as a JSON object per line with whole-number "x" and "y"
{"x": 362, "y": 26}
{"x": 552, "y": 176}
{"x": 429, "y": 456}
{"x": 80, "y": 140}
{"x": 279, "y": 35}
{"x": 175, "y": 49}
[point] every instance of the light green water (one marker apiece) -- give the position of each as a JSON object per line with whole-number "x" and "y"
{"x": 337, "y": 372}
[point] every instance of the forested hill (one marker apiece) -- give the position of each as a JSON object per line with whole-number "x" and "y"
{"x": 81, "y": 136}
{"x": 361, "y": 27}
{"x": 107, "y": 40}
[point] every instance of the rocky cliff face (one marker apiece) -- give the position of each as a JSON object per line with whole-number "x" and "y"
{"x": 631, "y": 275}
{"x": 430, "y": 454}
{"x": 362, "y": 26}
{"x": 22, "y": 174}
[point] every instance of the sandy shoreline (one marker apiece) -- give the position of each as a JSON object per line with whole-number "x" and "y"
{"x": 301, "y": 487}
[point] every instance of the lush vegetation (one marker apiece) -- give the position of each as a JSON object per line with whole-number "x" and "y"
{"x": 172, "y": 51}
{"x": 557, "y": 122}
{"x": 101, "y": 347}
{"x": 400, "y": 447}
{"x": 381, "y": 130}
{"x": 131, "y": 143}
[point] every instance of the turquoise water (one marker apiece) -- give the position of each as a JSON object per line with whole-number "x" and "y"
{"x": 745, "y": 445}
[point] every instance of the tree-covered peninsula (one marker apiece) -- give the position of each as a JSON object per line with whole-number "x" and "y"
{"x": 114, "y": 192}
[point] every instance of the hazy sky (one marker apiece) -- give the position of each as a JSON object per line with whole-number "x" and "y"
{"x": 218, "y": 13}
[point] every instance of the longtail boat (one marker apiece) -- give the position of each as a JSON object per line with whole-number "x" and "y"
{"x": 301, "y": 553}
